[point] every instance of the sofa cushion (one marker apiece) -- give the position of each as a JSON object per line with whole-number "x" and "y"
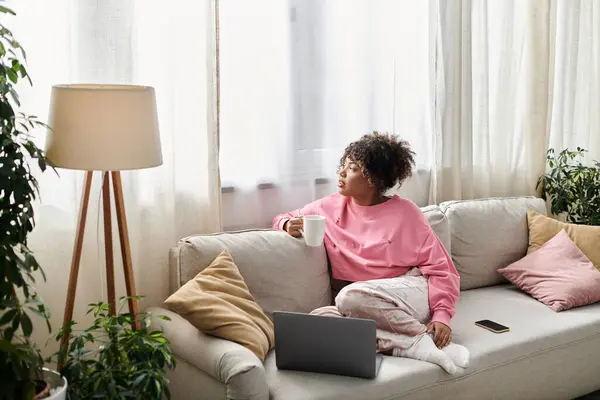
{"x": 281, "y": 272}
{"x": 543, "y": 228}
{"x": 439, "y": 224}
{"x": 558, "y": 274}
{"x": 487, "y": 235}
{"x": 217, "y": 302}
{"x": 533, "y": 347}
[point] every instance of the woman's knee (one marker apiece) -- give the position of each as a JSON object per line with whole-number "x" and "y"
{"x": 349, "y": 299}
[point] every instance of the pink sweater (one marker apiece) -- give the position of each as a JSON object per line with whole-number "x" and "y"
{"x": 384, "y": 241}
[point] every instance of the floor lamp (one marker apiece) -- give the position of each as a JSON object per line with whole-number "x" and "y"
{"x": 105, "y": 128}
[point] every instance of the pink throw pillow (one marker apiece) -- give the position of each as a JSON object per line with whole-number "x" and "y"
{"x": 558, "y": 274}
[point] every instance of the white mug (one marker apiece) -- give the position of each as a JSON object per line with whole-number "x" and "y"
{"x": 314, "y": 230}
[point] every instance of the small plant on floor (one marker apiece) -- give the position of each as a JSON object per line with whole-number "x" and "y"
{"x": 21, "y": 363}
{"x": 111, "y": 360}
{"x": 572, "y": 187}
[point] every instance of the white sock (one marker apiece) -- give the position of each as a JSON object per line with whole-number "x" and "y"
{"x": 425, "y": 349}
{"x": 459, "y": 355}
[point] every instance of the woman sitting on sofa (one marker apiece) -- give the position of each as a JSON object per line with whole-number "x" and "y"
{"x": 387, "y": 263}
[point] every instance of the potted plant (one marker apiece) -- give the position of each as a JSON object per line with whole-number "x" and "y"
{"x": 572, "y": 187}
{"x": 112, "y": 360}
{"x": 22, "y": 373}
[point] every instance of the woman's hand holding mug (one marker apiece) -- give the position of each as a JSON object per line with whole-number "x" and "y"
{"x": 312, "y": 227}
{"x": 294, "y": 226}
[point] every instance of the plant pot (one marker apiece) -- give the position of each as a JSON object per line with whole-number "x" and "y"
{"x": 58, "y": 385}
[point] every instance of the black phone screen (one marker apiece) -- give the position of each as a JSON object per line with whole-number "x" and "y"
{"x": 492, "y": 325}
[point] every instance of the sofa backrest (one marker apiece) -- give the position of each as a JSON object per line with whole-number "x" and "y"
{"x": 280, "y": 271}
{"x": 439, "y": 224}
{"x": 488, "y": 234}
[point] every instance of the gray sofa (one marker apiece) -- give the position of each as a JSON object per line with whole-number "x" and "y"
{"x": 545, "y": 355}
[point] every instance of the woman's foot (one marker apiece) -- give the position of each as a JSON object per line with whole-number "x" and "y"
{"x": 459, "y": 355}
{"x": 424, "y": 349}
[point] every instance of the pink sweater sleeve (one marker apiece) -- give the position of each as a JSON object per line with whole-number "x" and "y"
{"x": 281, "y": 219}
{"x": 444, "y": 282}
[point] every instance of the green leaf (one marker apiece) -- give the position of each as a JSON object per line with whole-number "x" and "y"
{"x": 139, "y": 380}
{"x": 42, "y": 163}
{"x": 23, "y": 71}
{"x": 40, "y": 312}
{"x": 15, "y": 323}
{"x": 23, "y": 53}
{"x": 8, "y": 316}
{"x": 15, "y": 97}
{"x": 6, "y": 10}
{"x": 26, "y": 324}
{"x": 7, "y": 346}
{"x": 8, "y": 334}
{"x": 12, "y": 75}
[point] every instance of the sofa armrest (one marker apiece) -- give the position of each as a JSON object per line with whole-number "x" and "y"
{"x": 238, "y": 368}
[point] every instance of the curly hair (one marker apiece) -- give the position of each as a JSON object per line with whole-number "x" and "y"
{"x": 383, "y": 158}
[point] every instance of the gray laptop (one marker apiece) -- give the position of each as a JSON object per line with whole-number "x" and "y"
{"x": 331, "y": 345}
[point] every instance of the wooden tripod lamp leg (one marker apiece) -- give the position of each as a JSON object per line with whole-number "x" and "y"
{"x": 125, "y": 246}
{"x": 75, "y": 261}
{"x": 108, "y": 247}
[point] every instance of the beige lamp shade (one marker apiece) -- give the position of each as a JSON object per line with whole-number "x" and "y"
{"x": 103, "y": 127}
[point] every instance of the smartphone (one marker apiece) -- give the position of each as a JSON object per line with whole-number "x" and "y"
{"x": 492, "y": 326}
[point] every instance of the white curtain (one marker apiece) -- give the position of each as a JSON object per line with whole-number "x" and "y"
{"x": 575, "y": 76}
{"x": 303, "y": 78}
{"x": 492, "y": 76}
{"x": 513, "y": 77}
{"x": 170, "y": 47}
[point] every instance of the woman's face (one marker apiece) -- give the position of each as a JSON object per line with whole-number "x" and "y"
{"x": 352, "y": 182}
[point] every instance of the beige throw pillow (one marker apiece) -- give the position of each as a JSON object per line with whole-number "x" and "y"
{"x": 218, "y": 302}
{"x": 543, "y": 228}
